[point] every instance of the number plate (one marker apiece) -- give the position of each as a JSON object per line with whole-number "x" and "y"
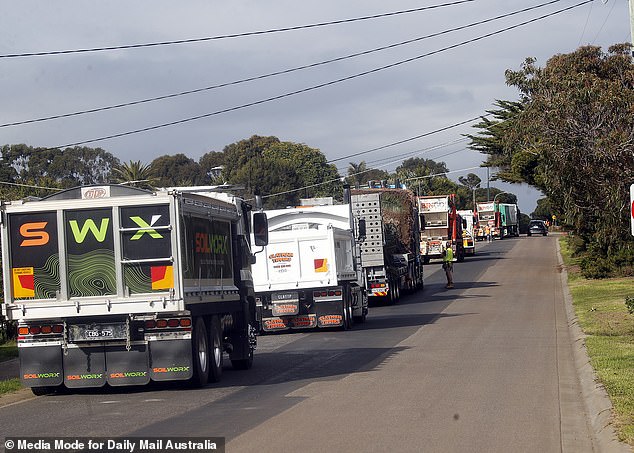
{"x": 97, "y": 332}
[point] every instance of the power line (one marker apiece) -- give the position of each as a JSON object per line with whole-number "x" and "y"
{"x": 322, "y": 85}
{"x": 426, "y": 134}
{"x": 233, "y": 35}
{"x": 275, "y": 73}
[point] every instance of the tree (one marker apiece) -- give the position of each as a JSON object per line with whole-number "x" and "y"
{"x": 573, "y": 138}
{"x": 360, "y": 175}
{"x": 68, "y": 168}
{"x": 177, "y": 170}
{"x": 426, "y": 176}
{"x": 210, "y": 164}
{"x": 315, "y": 175}
{"x": 135, "y": 174}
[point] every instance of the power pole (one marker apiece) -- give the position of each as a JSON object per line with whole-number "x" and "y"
{"x": 632, "y": 25}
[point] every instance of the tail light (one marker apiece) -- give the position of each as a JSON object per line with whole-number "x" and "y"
{"x": 171, "y": 323}
{"x": 35, "y": 330}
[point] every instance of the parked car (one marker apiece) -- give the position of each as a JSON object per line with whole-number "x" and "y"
{"x": 537, "y": 227}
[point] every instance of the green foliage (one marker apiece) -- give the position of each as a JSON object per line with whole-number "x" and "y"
{"x": 571, "y": 135}
{"x": 51, "y": 166}
{"x": 135, "y": 174}
{"x": 176, "y": 170}
{"x": 629, "y": 303}
{"x": 360, "y": 175}
{"x": 543, "y": 210}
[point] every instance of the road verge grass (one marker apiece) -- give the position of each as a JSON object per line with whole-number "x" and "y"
{"x": 9, "y": 350}
{"x": 609, "y": 327}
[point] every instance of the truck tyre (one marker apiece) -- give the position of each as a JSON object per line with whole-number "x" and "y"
{"x": 200, "y": 353}
{"x": 246, "y": 364}
{"x": 216, "y": 357}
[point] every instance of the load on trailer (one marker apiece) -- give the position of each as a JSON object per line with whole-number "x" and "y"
{"x": 441, "y": 226}
{"x": 390, "y": 250}
{"x": 308, "y": 276}
{"x": 469, "y": 220}
{"x": 117, "y": 285}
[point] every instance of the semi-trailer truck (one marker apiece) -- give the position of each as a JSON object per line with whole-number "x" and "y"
{"x": 390, "y": 248}
{"x": 115, "y": 285}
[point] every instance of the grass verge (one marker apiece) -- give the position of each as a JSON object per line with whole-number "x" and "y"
{"x": 10, "y": 385}
{"x": 603, "y": 316}
{"x": 8, "y": 350}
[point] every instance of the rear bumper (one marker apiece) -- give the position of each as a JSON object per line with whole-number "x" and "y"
{"x": 95, "y": 364}
{"x": 318, "y": 314}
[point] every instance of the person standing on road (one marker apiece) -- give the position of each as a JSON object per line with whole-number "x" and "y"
{"x": 447, "y": 264}
{"x": 488, "y": 233}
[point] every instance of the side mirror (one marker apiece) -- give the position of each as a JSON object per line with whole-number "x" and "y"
{"x": 464, "y": 224}
{"x": 260, "y": 229}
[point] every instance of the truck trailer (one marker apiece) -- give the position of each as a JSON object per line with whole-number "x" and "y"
{"x": 488, "y": 216}
{"x": 121, "y": 286}
{"x": 390, "y": 249}
{"x": 308, "y": 276}
{"x": 509, "y": 214}
{"x": 469, "y": 220}
{"x": 440, "y": 226}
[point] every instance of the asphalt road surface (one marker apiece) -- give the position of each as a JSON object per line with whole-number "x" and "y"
{"x": 484, "y": 367}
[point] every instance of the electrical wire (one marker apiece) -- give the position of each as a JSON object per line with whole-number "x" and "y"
{"x": 233, "y": 35}
{"x": 322, "y": 85}
{"x": 276, "y": 73}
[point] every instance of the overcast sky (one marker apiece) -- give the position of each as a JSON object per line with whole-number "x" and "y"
{"x": 438, "y": 88}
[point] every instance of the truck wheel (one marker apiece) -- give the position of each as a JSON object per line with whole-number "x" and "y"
{"x": 246, "y": 364}
{"x": 216, "y": 350}
{"x": 200, "y": 353}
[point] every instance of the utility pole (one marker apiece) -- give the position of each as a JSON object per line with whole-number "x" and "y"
{"x": 488, "y": 188}
{"x": 632, "y": 25}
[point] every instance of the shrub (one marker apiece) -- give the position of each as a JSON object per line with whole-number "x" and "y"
{"x": 629, "y": 303}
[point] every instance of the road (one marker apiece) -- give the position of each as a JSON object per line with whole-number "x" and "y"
{"x": 484, "y": 367}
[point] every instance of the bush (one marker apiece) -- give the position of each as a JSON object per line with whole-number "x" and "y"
{"x": 596, "y": 267}
{"x": 629, "y": 303}
{"x": 8, "y": 330}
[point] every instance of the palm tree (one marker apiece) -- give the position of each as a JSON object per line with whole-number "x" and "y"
{"x": 135, "y": 174}
{"x": 356, "y": 173}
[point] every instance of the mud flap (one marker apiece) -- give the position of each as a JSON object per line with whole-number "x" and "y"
{"x": 170, "y": 360}
{"x": 329, "y": 313}
{"x": 85, "y": 367}
{"x": 127, "y": 367}
{"x": 41, "y": 366}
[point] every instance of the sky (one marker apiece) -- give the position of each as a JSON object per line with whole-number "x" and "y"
{"x": 451, "y": 73}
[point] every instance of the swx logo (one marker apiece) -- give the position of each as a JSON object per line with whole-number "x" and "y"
{"x": 35, "y": 234}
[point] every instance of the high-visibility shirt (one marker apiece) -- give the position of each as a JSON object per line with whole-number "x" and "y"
{"x": 448, "y": 255}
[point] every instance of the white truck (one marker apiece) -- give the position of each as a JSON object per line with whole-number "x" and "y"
{"x": 468, "y": 231}
{"x": 440, "y": 225}
{"x": 488, "y": 219}
{"x": 307, "y": 276}
{"x": 116, "y": 285}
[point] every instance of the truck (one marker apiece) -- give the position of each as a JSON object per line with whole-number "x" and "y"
{"x": 308, "y": 276}
{"x": 117, "y": 285}
{"x": 389, "y": 249}
{"x": 509, "y": 216}
{"x": 469, "y": 221}
{"x": 440, "y": 227}
{"x": 488, "y": 215}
